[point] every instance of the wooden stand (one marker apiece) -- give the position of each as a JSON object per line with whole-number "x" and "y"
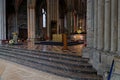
{"x": 65, "y": 47}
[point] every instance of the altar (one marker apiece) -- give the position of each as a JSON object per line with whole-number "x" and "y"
{"x": 77, "y": 37}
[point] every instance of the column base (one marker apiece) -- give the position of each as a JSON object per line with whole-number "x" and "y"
{"x": 105, "y": 62}
{"x": 31, "y": 43}
{"x": 118, "y": 53}
{"x": 101, "y": 60}
{"x": 86, "y": 52}
{"x": 4, "y": 42}
{"x": 0, "y": 42}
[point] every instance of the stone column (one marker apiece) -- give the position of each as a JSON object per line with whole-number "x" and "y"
{"x": 58, "y": 21}
{"x": 69, "y": 22}
{"x": 75, "y": 21}
{"x": 107, "y": 28}
{"x": 95, "y": 22}
{"x": 88, "y": 51}
{"x": 48, "y": 19}
{"x": 65, "y": 23}
{"x": 31, "y": 22}
{"x": 52, "y": 15}
{"x": 62, "y": 25}
{"x": 90, "y": 24}
{"x": 114, "y": 24}
{"x": 104, "y": 58}
{"x": 2, "y": 20}
{"x": 118, "y": 49}
{"x": 100, "y": 33}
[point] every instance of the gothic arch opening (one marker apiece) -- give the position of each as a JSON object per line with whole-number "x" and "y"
{"x": 69, "y": 18}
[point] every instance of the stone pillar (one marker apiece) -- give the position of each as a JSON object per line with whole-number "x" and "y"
{"x": 90, "y": 23}
{"x": 107, "y": 28}
{"x": 65, "y": 22}
{"x": 62, "y": 25}
{"x": 31, "y": 22}
{"x": 105, "y": 57}
{"x": 95, "y": 22}
{"x": 93, "y": 53}
{"x": 48, "y": 19}
{"x": 58, "y": 21}
{"x": 114, "y": 24}
{"x": 52, "y": 15}
{"x": 98, "y": 34}
{"x": 118, "y": 49}
{"x": 88, "y": 51}
{"x": 100, "y": 39}
{"x": 2, "y": 20}
{"x": 69, "y": 23}
{"x": 75, "y": 21}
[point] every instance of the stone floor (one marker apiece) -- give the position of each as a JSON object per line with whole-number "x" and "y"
{"x": 75, "y": 49}
{"x": 13, "y": 71}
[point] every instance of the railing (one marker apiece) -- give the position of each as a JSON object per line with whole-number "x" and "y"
{"x": 111, "y": 70}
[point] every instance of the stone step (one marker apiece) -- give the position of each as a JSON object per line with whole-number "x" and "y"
{"x": 38, "y": 53}
{"x": 56, "y": 71}
{"x": 14, "y": 48}
{"x": 74, "y": 67}
{"x": 44, "y": 57}
{"x": 47, "y": 58}
{"x": 83, "y": 67}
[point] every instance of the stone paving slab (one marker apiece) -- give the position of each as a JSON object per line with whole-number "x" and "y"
{"x": 13, "y": 71}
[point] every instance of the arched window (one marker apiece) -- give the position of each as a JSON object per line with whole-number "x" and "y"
{"x": 44, "y": 17}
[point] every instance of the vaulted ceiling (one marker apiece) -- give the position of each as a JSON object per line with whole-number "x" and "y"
{"x": 65, "y": 5}
{"x": 12, "y": 5}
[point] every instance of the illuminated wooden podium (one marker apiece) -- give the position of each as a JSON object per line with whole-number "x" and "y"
{"x": 65, "y": 47}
